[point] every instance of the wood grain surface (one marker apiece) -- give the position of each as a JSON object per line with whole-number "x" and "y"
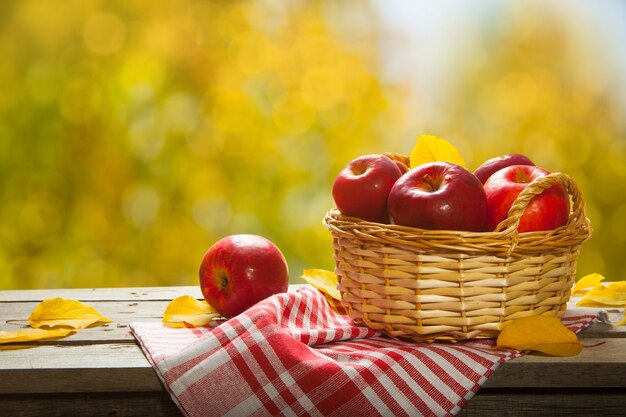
{"x": 102, "y": 371}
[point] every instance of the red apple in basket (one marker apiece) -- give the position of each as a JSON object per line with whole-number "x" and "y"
{"x": 240, "y": 270}
{"x": 439, "y": 195}
{"x": 546, "y": 211}
{"x": 492, "y": 165}
{"x": 361, "y": 188}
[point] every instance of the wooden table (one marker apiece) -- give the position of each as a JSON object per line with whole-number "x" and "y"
{"x": 102, "y": 372}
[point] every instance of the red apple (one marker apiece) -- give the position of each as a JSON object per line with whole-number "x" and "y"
{"x": 362, "y": 187}
{"x": 546, "y": 211}
{"x": 492, "y": 165}
{"x": 240, "y": 270}
{"x": 439, "y": 195}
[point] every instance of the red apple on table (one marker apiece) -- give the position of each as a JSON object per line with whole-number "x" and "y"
{"x": 362, "y": 187}
{"x": 439, "y": 195}
{"x": 493, "y": 165}
{"x": 546, "y": 211}
{"x": 240, "y": 270}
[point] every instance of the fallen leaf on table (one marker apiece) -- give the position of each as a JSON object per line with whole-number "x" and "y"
{"x": 430, "y": 148}
{"x": 586, "y": 283}
{"x": 30, "y": 334}
{"x": 56, "y": 312}
{"x": 323, "y": 280}
{"x": 617, "y": 286}
{"x": 541, "y": 334}
{"x": 602, "y": 296}
{"x": 186, "y": 310}
{"x": 54, "y": 318}
{"x": 326, "y": 282}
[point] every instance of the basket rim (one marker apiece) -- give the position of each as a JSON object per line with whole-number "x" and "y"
{"x": 431, "y": 241}
{"x": 504, "y": 241}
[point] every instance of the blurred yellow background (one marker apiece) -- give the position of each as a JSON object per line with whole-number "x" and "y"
{"x": 134, "y": 134}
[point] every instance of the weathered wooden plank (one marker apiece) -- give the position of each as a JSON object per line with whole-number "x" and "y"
{"x": 101, "y": 294}
{"x": 108, "y": 294}
{"x": 487, "y": 403}
{"x": 553, "y": 402}
{"x": 153, "y": 404}
{"x": 123, "y": 367}
{"x": 121, "y": 312}
{"x": 112, "y": 309}
{"x": 125, "y": 312}
{"x": 118, "y": 332}
{"x": 87, "y": 368}
{"x": 596, "y": 366}
{"x": 106, "y": 363}
{"x": 604, "y": 329}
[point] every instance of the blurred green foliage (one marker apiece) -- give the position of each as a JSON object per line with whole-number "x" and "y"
{"x": 134, "y": 134}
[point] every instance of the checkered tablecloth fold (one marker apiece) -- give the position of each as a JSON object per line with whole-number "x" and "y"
{"x": 291, "y": 354}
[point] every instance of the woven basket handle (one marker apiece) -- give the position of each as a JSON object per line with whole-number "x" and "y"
{"x": 577, "y": 214}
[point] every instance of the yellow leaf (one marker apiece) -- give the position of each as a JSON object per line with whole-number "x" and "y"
{"x": 186, "y": 310}
{"x": 29, "y": 335}
{"x": 617, "y": 286}
{"x": 603, "y": 297}
{"x": 66, "y": 313}
{"x": 587, "y": 282}
{"x": 544, "y": 334}
{"x": 323, "y": 280}
{"x": 326, "y": 282}
{"x": 430, "y": 148}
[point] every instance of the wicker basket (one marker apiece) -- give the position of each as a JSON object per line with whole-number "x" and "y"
{"x": 429, "y": 285}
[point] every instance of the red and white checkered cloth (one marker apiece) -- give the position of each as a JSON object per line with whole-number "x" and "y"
{"x": 292, "y": 355}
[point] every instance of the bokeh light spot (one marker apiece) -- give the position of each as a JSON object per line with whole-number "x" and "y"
{"x": 255, "y": 53}
{"x": 291, "y": 113}
{"x": 141, "y": 205}
{"x": 180, "y": 112}
{"x": 145, "y": 138}
{"x": 212, "y": 214}
{"x": 80, "y": 101}
{"x": 42, "y": 83}
{"x": 322, "y": 88}
{"x": 104, "y": 33}
{"x": 141, "y": 69}
{"x": 44, "y": 22}
{"x": 618, "y": 222}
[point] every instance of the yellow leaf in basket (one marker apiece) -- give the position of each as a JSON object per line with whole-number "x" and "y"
{"x": 430, "y": 148}
{"x": 186, "y": 310}
{"x": 323, "y": 280}
{"x": 603, "y": 297}
{"x": 31, "y": 335}
{"x": 587, "y": 282}
{"x": 541, "y": 334}
{"x": 56, "y": 312}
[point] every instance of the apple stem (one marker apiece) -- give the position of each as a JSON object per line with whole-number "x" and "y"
{"x": 431, "y": 183}
{"x": 521, "y": 177}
